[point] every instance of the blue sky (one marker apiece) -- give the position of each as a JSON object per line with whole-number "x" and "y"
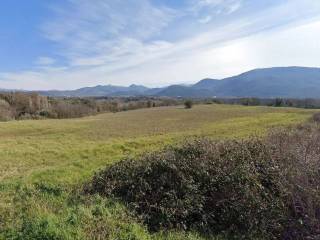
{"x": 67, "y": 44}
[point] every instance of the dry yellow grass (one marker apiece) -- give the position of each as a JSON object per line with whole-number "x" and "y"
{"x": 43, "y": 161}
{"x": 73, "y": 148}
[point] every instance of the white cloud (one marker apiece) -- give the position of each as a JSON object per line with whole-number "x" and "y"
{"x": 205, "y": 19}
{"x": 234, "y": 7}
{"x": 45, "y": 61}
{"x": 217, "y": 6}
{"x": 105, "y": 28}
{"x": 274, "y": 48}
{"x": 117, "y": 42}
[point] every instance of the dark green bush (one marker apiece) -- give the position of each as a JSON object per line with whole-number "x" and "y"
{"x": 204, "y": 186}
{"x": 188, "y": 104}
{"x": 39, "y": 229}
{"x": 254, "y": 188}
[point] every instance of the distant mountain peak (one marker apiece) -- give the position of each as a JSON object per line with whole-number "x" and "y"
{"x": 135, "y": 85}
{"x": 206, "y": 83}
{"x": 291, "y": 82}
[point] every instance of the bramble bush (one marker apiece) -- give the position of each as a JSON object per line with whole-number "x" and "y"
{"x": 254, "y": 189}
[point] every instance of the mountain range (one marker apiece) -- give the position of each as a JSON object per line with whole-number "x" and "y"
{"x": 289, "y": 82}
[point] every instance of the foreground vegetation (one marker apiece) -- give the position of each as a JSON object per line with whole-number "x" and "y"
{"x": 44, "y": 164}
{"x": 250, "y": 189}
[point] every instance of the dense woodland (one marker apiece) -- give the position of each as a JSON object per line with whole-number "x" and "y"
{"x": 310, "y": 103}
{"x": 17, "y": 105}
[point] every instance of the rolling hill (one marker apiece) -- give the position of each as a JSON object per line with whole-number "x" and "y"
{"x": 290, "y": 82}
{"x": 97, "y": 91}
{"x": 295, "y": 82}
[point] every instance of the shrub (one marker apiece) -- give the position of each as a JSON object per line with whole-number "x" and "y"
{"x": 298, "y": 155}
{"x": 253, "y": 188}
{"x": 47, "y": 114}
{"x": 188, "y": 104}
{"x": 316, "y": 117}
{"x": 44, "y": 228}
{"x": 204, "y": 186}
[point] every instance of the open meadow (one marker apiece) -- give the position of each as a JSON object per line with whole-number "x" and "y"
{"x": 44, "y": 163}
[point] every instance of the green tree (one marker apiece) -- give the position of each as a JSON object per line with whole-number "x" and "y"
{"x": 188, "y": 104}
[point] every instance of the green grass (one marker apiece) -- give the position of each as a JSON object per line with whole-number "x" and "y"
{"x": 43, "y": 161}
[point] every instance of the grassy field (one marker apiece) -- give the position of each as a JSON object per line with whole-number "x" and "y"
{"x": 44, "y": 162}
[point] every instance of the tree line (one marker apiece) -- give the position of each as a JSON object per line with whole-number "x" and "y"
{"x": 22, "y": 105}
{"x": 310, "y": 103}
{"x": 19, "y": 105}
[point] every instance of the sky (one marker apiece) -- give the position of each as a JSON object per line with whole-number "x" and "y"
{"x": 68, "y": 44}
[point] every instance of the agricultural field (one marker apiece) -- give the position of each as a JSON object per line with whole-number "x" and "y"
{"x": 44, "y": 164}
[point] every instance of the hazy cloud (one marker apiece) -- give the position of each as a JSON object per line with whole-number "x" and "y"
{"x": 135, "y": 41}
{"x": 219, "y": 6}
{"x": 44, "y": 61}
